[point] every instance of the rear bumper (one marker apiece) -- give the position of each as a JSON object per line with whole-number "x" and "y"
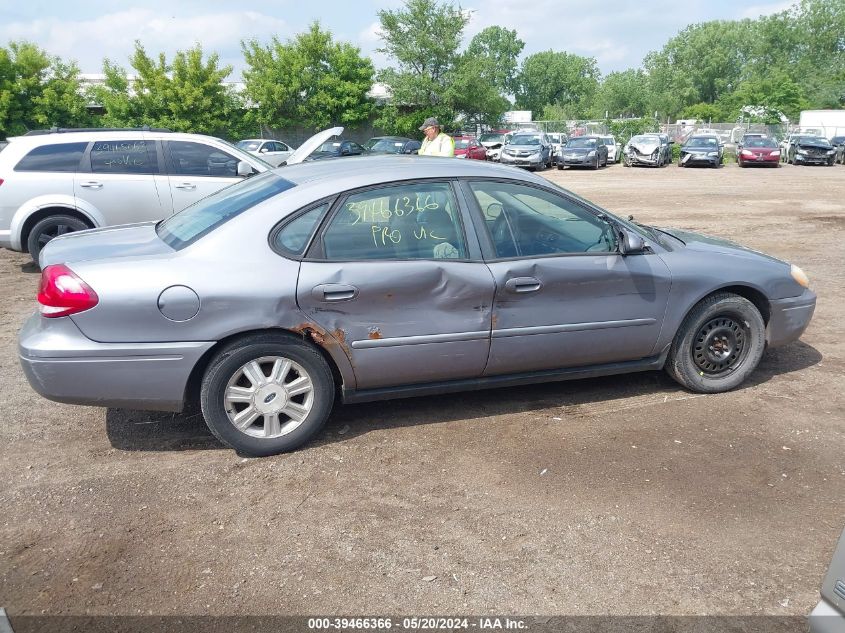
{"x": 789, "y": 318}
{"x": 64, "y": 365}
{"x": 826, "y": 619}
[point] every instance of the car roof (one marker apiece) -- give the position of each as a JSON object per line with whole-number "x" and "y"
{"x": 368, "y": 170}
{"x": 392, "y": 138}
{"x": 78, "y": 137}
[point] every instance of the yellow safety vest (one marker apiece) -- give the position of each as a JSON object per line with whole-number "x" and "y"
{"x": 442, "y": 145}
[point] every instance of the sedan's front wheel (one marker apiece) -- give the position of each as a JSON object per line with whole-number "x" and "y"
{"x": 718, "y": 345}
{"x": 267, "y": 394}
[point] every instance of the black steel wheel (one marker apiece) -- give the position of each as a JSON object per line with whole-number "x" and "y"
{"x": 718, "y": 345}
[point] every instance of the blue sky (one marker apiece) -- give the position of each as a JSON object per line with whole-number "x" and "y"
{"x": 617, "y": 33}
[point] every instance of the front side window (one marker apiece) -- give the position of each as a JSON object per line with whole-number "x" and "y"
{"x": 197, "y": 159}
{"x": 525, "y": 221}
{"x": 412, "y": 221}
{"x": 124, "y": 157}
{"x": 199, "y": 219}
{"x": 62, "y": 157}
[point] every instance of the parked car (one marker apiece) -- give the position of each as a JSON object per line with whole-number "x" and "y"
{"x": 810, "y": 150}
{"x": 57, "y": 182}
{"x": 761, "y": 150}
{"x": 528, "y": 149}
{"x": 583, "y": 151}
{"x": 337, "y": 148}
{"x": 644, "y": 149}
{"x": 614, "y": 149}
{"x": 829, "y": 614}
{"x": 392, "y": 145}
{"x": 786, "y": 145}
{"x": 272, "y": 151}
{"x": 376, "y": 278}
{"x": 558, "y": 141}
{"x": 838, "y": 143}
{"x": 469, "y": 147}
{"x": 493, "y": 141}
{"x": 701, "y": 149}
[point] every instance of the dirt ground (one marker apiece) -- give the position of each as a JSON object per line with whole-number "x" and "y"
{"x": 623, "y": 495}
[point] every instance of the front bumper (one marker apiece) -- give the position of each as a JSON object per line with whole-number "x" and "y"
{"x": 699, "y": 159}
{"x": 64, "y": 365}
{"x": 812, "y": 160}
{"x": 759, "y": 160}
{"x": 789, "y": 318}
{"x": 635, "y": 158}
{"x": 521, "y": 161}
{"x": 576, "y": 161}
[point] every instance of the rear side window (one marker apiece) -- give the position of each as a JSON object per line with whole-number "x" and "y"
{"x": 56, "y": 157}
{"x": 124, "y": 157}
{"x": 293, "y": 236}
{"x": 190, "y": 224}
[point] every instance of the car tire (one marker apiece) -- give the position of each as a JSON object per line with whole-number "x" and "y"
{"x": 282, "y": 361}
{"x": 717, "y": 346}
{"x": 50, "y": 227}
{"x": 596, "y": 165}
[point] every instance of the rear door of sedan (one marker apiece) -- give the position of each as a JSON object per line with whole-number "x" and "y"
{"x": 565, "y": 296}
{"x": 395, "y": 278}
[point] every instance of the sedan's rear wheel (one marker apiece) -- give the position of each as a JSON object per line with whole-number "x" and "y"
{"x": 50, "y": 227}
{"x": 718, "y": 345}
{"x": 267, "y": 394}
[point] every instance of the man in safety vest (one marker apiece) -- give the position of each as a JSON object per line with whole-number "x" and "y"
{"x": 436, "y": 143}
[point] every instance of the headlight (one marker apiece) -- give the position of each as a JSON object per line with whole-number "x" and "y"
{"x": 831, "y": 151}
{"x": 802, "y": 151}
{"x": 745, "y": 152}
{"x": 799, "y": 276}
{"x": 775, "y": 153}
{"x": 712, "y": 153}
{"x": 591, "y": 153}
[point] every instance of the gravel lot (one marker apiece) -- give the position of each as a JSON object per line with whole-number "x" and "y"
{"x": 623, "y": 495}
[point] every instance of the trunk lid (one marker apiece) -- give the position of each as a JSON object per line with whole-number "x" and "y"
{"x": 128, "y": 240}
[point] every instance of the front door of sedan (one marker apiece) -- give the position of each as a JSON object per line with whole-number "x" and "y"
{"x": 565, "y": 297}
{"x": 394, "y": 280}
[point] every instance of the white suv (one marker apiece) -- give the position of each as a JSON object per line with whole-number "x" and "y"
{"x": 57, "y": 181}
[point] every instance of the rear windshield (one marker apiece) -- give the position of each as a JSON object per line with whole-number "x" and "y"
{"x": 201, "y": 218}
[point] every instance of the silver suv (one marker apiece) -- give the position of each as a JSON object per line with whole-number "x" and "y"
{"x": 54, "y": 182}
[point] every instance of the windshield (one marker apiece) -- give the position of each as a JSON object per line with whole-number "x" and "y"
{"x": 201, "y": 218}
{"x": 461, "y": 143}
{"x": 330, "y": 147}
{"x": 703, "y": 141}
{"x": 645, "y": 139}
{"x": 248, "y": 146}
{"x": 525, "y": 139}
{"x": 581, "y": 142}
{"x": 387, "y": 145}
{"x": 760, "y": 142}
{"x": 817, "y": 140}
{"x": 492, "y": 138}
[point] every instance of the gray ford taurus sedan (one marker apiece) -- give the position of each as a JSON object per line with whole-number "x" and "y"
{"x": 380, "y": 277}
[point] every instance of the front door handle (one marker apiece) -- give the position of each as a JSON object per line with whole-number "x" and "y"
{"x": 187, "y": 186}
{"x": 334, "y": 292}
{"x": 523, "y": 284}
{"x": 91, "y": 184}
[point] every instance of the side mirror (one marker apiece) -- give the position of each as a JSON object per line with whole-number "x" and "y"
{"x": 263, "y": 150}
{"x": 630, "y": 243}
{"x": 245, "y": 169}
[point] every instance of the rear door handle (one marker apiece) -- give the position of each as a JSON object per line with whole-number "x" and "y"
{"x": 187, "y": 186}
{"x": 334, "y": 292}
{"x": 91, "y": 184}
{"x": 523, "y": 284}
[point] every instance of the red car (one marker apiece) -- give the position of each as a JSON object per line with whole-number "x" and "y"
{"x": 469, "y": 147}
{"x": 759, "y": 151}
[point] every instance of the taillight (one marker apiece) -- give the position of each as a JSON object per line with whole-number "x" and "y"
{"x": 1, "y": 181}
{"x": 62, "y": 293}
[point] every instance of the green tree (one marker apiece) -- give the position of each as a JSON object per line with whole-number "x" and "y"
{"x": 423, "y": 38}
{"x": 37, "y": 90}
{"x": 310, "y": 81}
{"x": 705, "y": 112}
{"x": 187, "y": 95}
{"x": 774, "y": 95}
{"x": 472, "y": 94}
{"x": 499, "y": 49}
{"x": 557, "y": 78}
{"x": 623, "y": 94}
